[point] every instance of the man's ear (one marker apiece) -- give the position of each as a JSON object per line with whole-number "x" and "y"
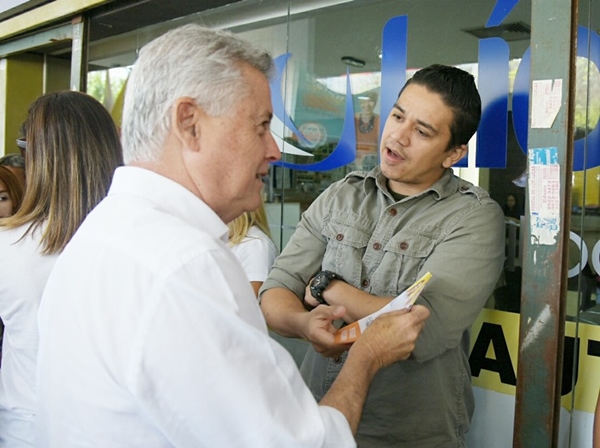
{"x": 454, "y": 155}
{"x": 186, "y": 121}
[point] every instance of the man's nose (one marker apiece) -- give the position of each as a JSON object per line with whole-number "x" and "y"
{"x": 273, "y": 154}
{"x": 401, "y": 133}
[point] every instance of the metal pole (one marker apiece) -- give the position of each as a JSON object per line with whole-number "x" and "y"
{"x": 546, "y": 229}
{"x": 79, "y": 54}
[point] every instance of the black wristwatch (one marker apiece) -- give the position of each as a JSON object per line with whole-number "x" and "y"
{"x": 320, "y": 282}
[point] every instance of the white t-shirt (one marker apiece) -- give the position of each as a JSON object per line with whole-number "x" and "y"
{"x": 256, "y": 253}
{"x": 23, "y": 275}
{"x": 161, "y": 342}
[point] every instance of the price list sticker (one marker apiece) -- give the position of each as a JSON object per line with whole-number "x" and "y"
{"x": 544, "y": 195}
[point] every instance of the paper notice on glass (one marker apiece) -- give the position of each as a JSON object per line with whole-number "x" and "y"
{"x": 544, "y": 195}
{"x": 546, "y": 101}
{"x": 351, "y": 332}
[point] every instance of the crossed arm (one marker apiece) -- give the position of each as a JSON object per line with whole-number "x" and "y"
{"x": 286, "y": 314}
{"x": 389, "y": 339}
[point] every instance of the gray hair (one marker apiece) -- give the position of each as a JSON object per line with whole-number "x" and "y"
{"x": 14, "y": 160}
{"x": 194, "y": 61}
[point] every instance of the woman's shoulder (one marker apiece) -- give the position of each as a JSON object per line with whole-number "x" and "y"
{"x": 256, "y": 234}
{"x": 21, "y": 235}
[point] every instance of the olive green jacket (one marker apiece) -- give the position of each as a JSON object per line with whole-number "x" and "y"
{"x": 453, "y": 230}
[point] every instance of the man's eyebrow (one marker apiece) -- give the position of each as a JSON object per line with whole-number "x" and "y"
{"x": 420, "y": 122}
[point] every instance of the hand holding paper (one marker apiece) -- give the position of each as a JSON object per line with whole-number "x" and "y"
{"x": 406, "y": 300}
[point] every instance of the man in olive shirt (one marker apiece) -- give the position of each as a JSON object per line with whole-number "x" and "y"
{"x": 378, "y": 232}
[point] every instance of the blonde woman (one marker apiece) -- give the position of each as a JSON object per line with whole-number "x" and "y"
{"x": 72, "y": 151}
{"x": 250, "y": 241}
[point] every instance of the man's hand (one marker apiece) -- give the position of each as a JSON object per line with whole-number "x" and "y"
{"x": 319, "y": 330}
{"x": 391, "y": 337}
{"x": 358, "y": 303}
{"x": 286, "y": 315}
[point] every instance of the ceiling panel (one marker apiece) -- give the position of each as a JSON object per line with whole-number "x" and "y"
{"x": 124, "y": 16}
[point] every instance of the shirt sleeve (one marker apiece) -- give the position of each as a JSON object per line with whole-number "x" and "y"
{"x": 302, "y": 256}
{"x": 207, "y": 374}
{"x": 256, "y": 257}
{"x": 465, "y": 265}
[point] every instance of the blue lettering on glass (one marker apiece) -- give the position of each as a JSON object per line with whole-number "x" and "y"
{"x": 500, "y": 12}
{"x": 520, "y": 100}
{"x": 277, "y": 99}
{"x": 492, "y": 134}
{"x": 581, "y": 160}
{"x": 344, "y": 152}
{"x": 393, "y": 62}
{"x": 493, "y": 70}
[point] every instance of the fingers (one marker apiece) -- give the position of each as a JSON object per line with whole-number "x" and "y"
{"x": 326, "y": 314}
{"x": 321, "y": 330}
{"x": 320, "y": 319}
{"x": 337, "y": 312}
{"x": 408, "y": 324}
{"x": 420, "y": 312}
{"x": 392, "y": 336}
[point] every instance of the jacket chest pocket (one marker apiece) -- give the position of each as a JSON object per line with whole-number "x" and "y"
{"x": 345, "y": 249}
{"x": 404, "y": 256}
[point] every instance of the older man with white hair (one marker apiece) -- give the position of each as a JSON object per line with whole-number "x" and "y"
{"x": 150, "y": 332}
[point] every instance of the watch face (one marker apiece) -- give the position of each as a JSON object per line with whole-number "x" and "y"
{"x": 319, "y": 280}
{"x": 319, "y": 283}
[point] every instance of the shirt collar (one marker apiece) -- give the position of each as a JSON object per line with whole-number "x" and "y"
{"x": 170, "y": 197}
{"x": 445, "y": 186}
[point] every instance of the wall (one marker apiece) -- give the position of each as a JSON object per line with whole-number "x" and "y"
{"x": 24, "y": 83}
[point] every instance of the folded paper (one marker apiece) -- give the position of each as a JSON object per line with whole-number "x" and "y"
{"x": 351, "y": 332}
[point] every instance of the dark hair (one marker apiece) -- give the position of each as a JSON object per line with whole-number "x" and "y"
{"x": 73, "y": 149}
{"x": 458, "y": 91}
{"x": 13, "y": 187}
{"x": 15, "y": 160}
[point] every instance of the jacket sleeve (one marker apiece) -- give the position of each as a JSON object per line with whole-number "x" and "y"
{"x": 466, "y": 265}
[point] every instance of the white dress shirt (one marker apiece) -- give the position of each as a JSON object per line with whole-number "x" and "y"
{"x": 150, "y": 336}
{"x": 256, "y": 253}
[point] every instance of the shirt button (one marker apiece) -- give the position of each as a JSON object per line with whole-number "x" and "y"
{"x": 377, "y": 246}
{"x": 403, "y": 245}
{"x": 337, "y": 359}
{"x": 393, "y": 212}
{"x": 339, "y": 236}
{"x": 365, "y": 282}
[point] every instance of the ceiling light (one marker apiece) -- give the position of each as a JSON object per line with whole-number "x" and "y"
{"x": 354, "y": 62}
{"x": 508, "y": 31}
